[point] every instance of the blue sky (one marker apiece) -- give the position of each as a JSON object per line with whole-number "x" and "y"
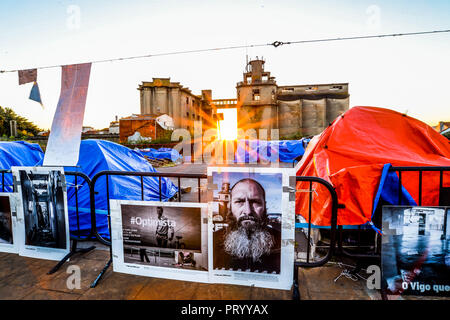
{"x": 407, "y": 74}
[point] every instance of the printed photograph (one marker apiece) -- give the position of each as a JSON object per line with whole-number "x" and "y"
{"x": 43, "y": 208}
{"x": 6, "y": 235}
{"x": 247, "y": 221}
{"x": 162, "y": 236}
{"x": 415, "y": 251}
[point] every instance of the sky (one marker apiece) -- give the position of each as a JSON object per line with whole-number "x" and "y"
{"x": 406, "y": 74}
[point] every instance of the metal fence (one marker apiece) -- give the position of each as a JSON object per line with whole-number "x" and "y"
{"x": 371, "y": 250}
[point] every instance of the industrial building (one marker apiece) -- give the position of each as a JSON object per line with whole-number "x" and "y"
{"x": 295, "y": 110}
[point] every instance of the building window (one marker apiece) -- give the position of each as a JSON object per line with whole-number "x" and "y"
{"x": 265, "y": 78}
{"x": 256, "y": 96}
{"x": 187, "y": 100}
{"x": 187, "y": 114}
{"x": 249, "y": 80}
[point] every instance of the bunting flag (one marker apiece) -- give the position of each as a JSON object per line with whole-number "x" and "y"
{"x": 63, "y": 145}
{"x": 26, "y": 76}
{"x": 35, "y": 94}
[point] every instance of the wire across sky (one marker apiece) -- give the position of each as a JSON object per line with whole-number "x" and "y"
{"x": 274, "y": 44}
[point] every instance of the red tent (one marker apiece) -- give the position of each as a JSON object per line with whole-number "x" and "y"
{"x": 351, "y": 154}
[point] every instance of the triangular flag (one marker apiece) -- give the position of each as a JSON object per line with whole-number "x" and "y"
{"x": 26, "y": 76}
{"x": 35, "y": 94}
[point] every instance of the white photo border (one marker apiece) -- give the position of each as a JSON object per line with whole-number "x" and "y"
{"x": 154, "y": 271}
{"x": 56, "y": 254}
{"x": 282, "y": 281}
{"x": 12, "y": 247}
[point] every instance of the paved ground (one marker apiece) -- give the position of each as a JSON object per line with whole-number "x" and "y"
{"x": 27, "y": 279}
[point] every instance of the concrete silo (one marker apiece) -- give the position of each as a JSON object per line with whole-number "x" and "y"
{"x": 290, "y": 118}
{"x": 313, "y": 116}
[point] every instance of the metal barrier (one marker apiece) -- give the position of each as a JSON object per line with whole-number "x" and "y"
{"x": 3, "y": 172}
{"x": 334, "y": 208}
{"x": 158, "y": 175}
{"x": 75, "y": 238}
{"x": 444, "y": 194}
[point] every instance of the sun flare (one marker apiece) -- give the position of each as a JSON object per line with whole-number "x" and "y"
{"x": 227, "y": 127}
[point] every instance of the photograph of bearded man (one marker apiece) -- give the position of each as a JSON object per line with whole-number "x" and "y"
{"x": 250, "y": 241}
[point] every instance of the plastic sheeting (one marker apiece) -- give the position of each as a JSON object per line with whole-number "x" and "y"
{"x": 352, "y": 153}
{"x": 161, "y": 153}
{"x": 100, "y": 155}
{"x": 17, "y": 153}
{"x": 249, "y": 151}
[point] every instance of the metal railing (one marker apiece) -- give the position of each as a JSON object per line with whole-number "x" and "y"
{"x": 334, "y": 208}
{"x": 3, "y": 172}
{"x": 329, "y": 254}
{"x": 76, "y": 235}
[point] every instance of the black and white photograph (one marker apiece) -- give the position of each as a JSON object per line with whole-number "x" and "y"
{"x": 415, "y": 251}
{"x": 7, "y": 223}
{"x": 159, "y": 238}
{"x": 43, "y": 210}
{"x": 247, "y": 213}
{"x": 152, "y": 234}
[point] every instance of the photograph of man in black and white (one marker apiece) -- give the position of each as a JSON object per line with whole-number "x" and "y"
{"x": 249, "y": 237}
{"x": 415, "y": 250}
{"x": 5, "y": 221}
{"x": 152, "y": 234}
{"x": 164, "y": 229}
{"x": 43, "y": 206}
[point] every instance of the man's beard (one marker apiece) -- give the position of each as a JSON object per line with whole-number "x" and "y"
{"x": 242, "y": 243}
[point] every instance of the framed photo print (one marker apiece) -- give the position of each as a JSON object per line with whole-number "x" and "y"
{"x": 252, "y": 230}
{"x": 42, "y": 212}
{"x": 160, "y": 239}
{"x": 415, "y": 255}
{"x": 9, "y": 241}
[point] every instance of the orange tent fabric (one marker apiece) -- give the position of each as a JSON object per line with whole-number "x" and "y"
{"x": 350, "y": 154}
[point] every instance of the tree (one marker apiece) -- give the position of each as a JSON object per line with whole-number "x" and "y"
{"x": 25, "y": 127}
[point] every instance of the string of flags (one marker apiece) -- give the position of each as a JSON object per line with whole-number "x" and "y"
{"x": 65, "y": 134}
{"x": 27, "y": 76}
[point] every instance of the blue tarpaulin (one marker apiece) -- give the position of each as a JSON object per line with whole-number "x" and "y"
{"x": 17, "y": 153}
{"x": 249, "y": 151}
{"x": 388, "y": 190}
{"x": 100, "y": 155}
{"x": 161, "y": 153}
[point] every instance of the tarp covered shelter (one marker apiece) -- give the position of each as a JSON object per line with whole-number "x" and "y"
{"x": 101, "y": 155}
{"x": 354, "y": 154}
{"x": 17, "y": 153}
{"x": 249, "y": 151}
{"x": 161, "y": 153}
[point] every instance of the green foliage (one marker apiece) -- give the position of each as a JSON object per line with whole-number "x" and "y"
{"x": 25, "y": 128}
